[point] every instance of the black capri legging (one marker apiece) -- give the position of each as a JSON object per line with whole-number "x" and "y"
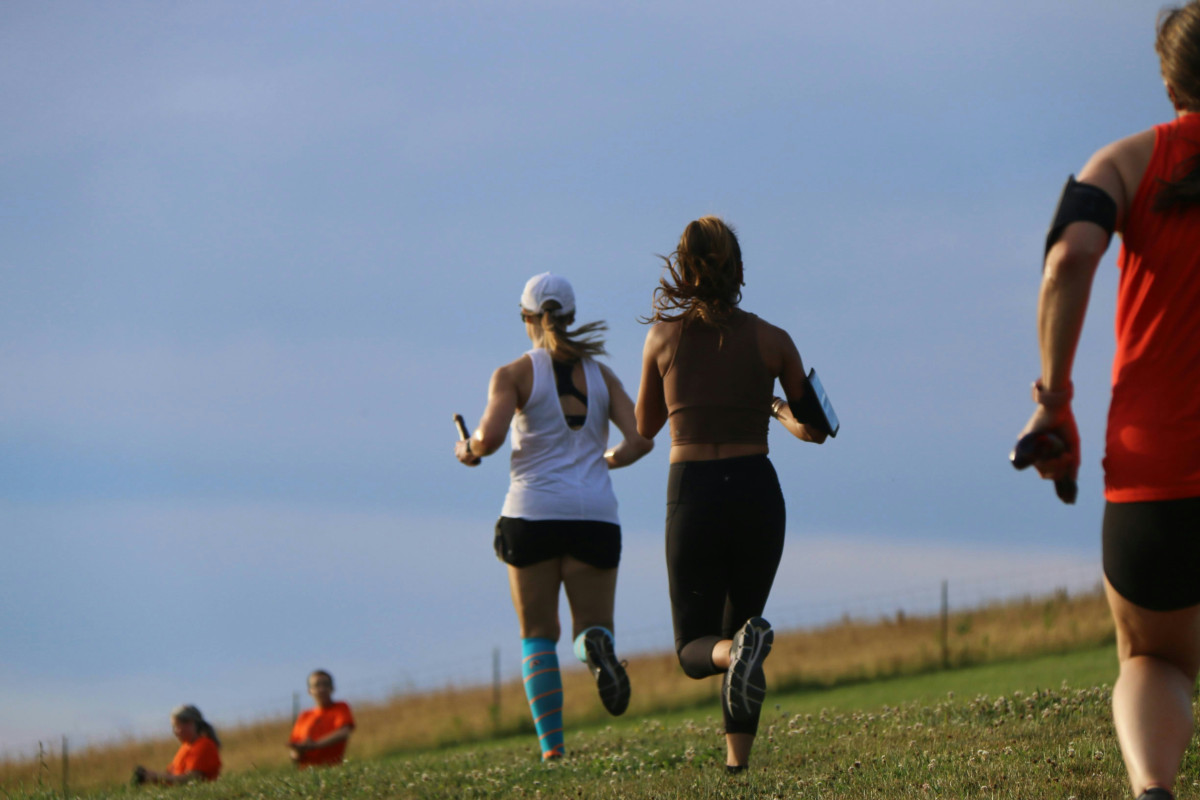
{"x": 725, "y": 524}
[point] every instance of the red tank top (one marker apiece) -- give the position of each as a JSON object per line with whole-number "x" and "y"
{"x": 1153, "y": 442}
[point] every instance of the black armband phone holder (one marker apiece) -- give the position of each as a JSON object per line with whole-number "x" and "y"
{"x": 1081, "y": 202}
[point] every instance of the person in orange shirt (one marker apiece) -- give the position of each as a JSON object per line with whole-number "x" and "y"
{"x": 320, "y": 734}
{"x": 198, "y": 757}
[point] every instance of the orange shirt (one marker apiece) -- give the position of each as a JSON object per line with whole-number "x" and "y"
{"x": 199, "y": 756}
{"x": 317, "y": 723}
{"x": 1153, "y": 443}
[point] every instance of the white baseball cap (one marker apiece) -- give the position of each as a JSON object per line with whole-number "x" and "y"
{"x": 544, "y": 287}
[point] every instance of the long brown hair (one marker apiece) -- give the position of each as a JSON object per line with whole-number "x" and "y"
{"x": 1178, "y": 48}
{"x": 203, "y": 726}
{"x": 564, "y": 344}
{"x": 704, "y": 279}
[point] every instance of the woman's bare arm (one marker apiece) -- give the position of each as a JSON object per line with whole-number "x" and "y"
{"x": 493, "y": 426}
{"x": 794, "y": 382}
{"x": 1067, "y": 278}
{"x": 651, "y": 408}
{"x": 622, "y": 413}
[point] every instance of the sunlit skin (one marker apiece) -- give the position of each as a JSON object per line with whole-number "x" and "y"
{"x": 535, "y": 588}
{"x": 511, "y": 386}
{"x": 1159, "y": 652}
{"x": 185, "y": 732}
{"x": 590, "y": 591}
{"x": 320, "y": 689}
{"x": 783, "y": 362}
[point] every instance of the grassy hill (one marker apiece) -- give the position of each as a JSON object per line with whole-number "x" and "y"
{"x": 846, "y": 668}
{"x": 1023, "y": 738}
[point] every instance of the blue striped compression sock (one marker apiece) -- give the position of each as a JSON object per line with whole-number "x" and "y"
{"x": 579, "y": 652}
{"x": 543, "y": 687}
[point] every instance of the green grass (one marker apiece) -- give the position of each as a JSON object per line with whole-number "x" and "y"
{"x": 1010, "y": 730}
{"x": 1090, "y": 667}
{"x": 1082, "y": 668}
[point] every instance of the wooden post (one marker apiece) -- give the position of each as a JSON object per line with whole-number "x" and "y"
{"x": 496, "y": 688}
{"x": 945, "y": 624}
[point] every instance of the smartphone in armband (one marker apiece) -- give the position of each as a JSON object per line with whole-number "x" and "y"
{"x": 815, "y": 408}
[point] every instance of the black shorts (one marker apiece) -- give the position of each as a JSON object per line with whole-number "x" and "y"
{"x": 524, "y": 542}
{"x": 1152, "y": 552}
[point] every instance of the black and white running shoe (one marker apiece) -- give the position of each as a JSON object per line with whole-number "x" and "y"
{"x": 1156, "y": 793}
{"x": 745, "y": 686}
{"x": 611, "y": 680}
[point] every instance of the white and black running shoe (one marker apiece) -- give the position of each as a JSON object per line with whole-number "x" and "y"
{"x": 745, "y": 686}
{"x": 1156, "y": 793}
{"x": 611, "y": 680}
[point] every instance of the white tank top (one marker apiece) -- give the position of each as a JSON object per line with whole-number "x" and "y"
{"x": 558, "y": 473}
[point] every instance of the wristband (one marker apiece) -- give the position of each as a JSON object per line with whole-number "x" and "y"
{"x": 472, "y": 455}
{"x": 1044, "y": 397}
{"x": 776, "y": 404}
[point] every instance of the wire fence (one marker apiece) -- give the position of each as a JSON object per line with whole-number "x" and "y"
{"x": 492, "y": 667}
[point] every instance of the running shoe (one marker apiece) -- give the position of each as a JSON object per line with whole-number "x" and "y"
{"x": 745, "y": 686}
{"x": 1156, "y": 793}
{"x": 611, "y": 680}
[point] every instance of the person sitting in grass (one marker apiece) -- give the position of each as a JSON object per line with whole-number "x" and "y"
{"x": 198, "y": 757}
{"x": 320, "y": 734}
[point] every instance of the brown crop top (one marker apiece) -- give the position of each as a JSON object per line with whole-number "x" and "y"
{"x": 719, "y": 392}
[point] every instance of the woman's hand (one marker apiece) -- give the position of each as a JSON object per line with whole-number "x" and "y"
{"x": 1061, "y": 422}
{"x": 622, "y": 413}
{"x": 142, "y": 775}
{"x": 462, "y": 451}
{"x": 782, "y": 411}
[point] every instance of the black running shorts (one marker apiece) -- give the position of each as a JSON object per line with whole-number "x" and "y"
{"x": 524, "y": 542}
{"x": 1152, "y": 552}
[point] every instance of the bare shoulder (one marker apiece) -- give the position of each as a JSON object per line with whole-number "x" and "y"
{"x": 1118, "y": 167}
{"x": 1139, "y": 145}
{"x": 514, "y": 371}
{"x": 609, "y": 376}
{"x": 662, "y": 338}
{"x": 774, "y": 344}
{"x": 661, "y": 333}
{"x": 772, "y": 336}
{"x": 611, "y": 381}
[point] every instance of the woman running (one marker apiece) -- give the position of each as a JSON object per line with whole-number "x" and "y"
{"x": 198, "y": 758}
{"x": 710, "y": 368}
{"x": 559, "y": 524}
{"x": 1147, "y": 187}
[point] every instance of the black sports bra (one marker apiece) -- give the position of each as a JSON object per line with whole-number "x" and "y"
{"x": 565, "y": 386}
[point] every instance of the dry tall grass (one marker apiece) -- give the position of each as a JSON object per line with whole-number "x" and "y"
{"x": 850, "y": 650}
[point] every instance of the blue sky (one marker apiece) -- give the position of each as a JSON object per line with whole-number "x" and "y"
{"x": 253, "y": 257}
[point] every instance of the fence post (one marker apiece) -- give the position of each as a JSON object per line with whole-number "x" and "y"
{"x": 496, "y": 688}
{"x": 945, "y": 624}
{"x": 66, "y": 765}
